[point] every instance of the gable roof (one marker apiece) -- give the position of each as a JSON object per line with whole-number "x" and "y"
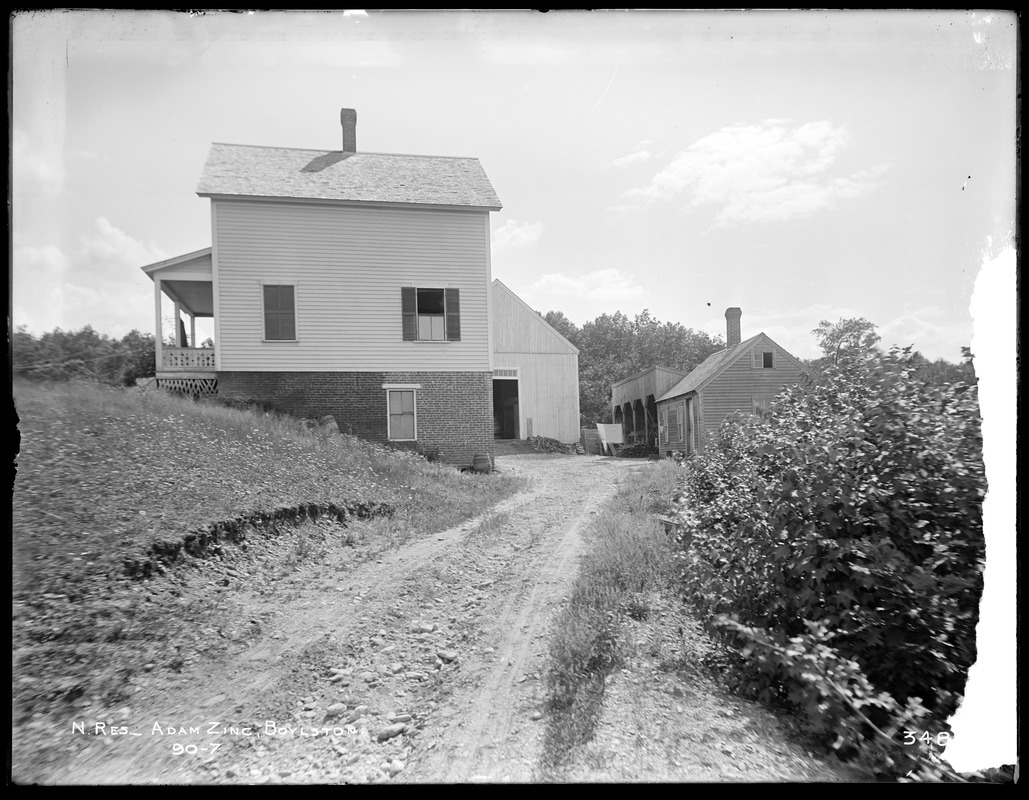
{"x": 497, "y": 284}
{"x": 251, "y": 171}
{"x": 715, "y": 364}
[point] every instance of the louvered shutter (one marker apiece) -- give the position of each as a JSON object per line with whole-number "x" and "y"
{"x": 453, "y": 305}
{"x": 409, "y": 312}
{"x": 279, "y": 313}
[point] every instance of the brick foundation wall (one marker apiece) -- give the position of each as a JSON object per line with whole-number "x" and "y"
{"x": 454, "y": 410}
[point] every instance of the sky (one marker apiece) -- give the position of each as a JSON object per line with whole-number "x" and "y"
{"x": 803, "y": 166}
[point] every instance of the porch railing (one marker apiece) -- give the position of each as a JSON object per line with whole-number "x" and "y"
{"x": 187, "y": 359}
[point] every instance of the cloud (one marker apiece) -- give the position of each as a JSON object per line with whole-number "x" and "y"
{"x": 515, "y": 235}
{"x": 761, "y": 173}
{"x": 943, "y": 338}
{"x": 98, "y": 284}
{"x": 632, "y": 158}
{"x": 605, "y": 285}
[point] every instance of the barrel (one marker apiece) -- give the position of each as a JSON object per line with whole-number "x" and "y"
{"x": 482, "y": 463}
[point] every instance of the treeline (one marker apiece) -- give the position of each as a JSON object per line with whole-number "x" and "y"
{"x": 83, "y": 355}
{"x": 613, "y": 347}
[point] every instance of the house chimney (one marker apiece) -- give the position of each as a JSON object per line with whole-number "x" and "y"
{"x": 348, "y": 119}
{"x": 732, "y": 327}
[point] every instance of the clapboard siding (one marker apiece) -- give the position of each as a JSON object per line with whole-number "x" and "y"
{"x": 548, "y": 367}
{"x": 736, "y": 388}
{"x": 517, "y": 328}
{"x": 348, "y": 264}
{"x": 548, "y": 393}
{"x": 654, "y": 381}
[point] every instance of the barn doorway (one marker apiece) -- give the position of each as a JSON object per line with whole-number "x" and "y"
{"x": 505, "y": 408}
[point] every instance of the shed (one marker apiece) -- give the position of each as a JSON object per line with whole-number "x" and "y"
{"x": 634, "y": 401}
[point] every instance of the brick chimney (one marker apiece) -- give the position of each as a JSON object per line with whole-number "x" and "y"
{"x": 348, "y": 119}
{"x": 732, "y": 327}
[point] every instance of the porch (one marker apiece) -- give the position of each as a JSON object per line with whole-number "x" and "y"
{"x": 188, "y": 283}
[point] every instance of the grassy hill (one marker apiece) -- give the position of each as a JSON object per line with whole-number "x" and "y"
{"x": 111, "y": 479}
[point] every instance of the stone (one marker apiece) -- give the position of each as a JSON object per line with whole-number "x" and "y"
{"x": 446, "y": 655}
{"x": 335, "y": 710}
{"x": 390, "y": 731}
{"x": 396, "y": 766}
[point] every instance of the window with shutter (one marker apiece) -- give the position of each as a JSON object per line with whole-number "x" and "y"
{"x": 430, "y": 315}
{"x": 280, "y": 316}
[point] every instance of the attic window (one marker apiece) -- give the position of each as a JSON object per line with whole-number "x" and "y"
{"x": 764, "y": 359}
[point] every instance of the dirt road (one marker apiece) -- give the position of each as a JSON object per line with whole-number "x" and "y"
{"x": 421, "y": 662}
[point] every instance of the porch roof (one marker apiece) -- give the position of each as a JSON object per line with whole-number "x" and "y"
{"x": 188, "y": 280}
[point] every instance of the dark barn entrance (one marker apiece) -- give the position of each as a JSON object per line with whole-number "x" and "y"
{"x": 505, "y": 408}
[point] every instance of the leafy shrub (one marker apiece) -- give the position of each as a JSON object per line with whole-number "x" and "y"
{"x": 854, "y": 506}
{"x": 638, "y": 450}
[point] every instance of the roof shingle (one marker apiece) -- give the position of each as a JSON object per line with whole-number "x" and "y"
{"x": 251, "y": 171}
{"x": 707, "y": 369}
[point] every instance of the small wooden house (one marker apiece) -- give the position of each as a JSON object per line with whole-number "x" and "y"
{"x": 743, "y": 377}
{"x": 535, "y": 373}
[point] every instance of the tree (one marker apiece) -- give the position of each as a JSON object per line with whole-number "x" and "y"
{"x": 139, "y": 357}
{"x": 941, "y": 371}
{"x": 613, "y": 347}
{"x": 850, "y": 338}
{"x": 559, "y": 322}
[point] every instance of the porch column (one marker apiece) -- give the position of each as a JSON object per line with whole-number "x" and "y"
{"x": 192, "y": 330}
{"x": 158, "y": 344}
{"x": 178, "y": 325}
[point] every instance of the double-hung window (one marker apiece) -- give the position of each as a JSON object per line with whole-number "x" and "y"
{"x": 402, "y": 419}
{"x": 280, "y": 314}
{"x": 430, "y": 315}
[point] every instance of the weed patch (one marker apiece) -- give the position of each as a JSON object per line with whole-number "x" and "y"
{"x": 628, "y": 555}
{"x": 111, "y": 480}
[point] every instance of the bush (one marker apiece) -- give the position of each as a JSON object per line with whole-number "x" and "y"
{"x": 841, "y": 534}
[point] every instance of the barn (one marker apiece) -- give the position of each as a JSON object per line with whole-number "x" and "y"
{"x": 535, "y": 373}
